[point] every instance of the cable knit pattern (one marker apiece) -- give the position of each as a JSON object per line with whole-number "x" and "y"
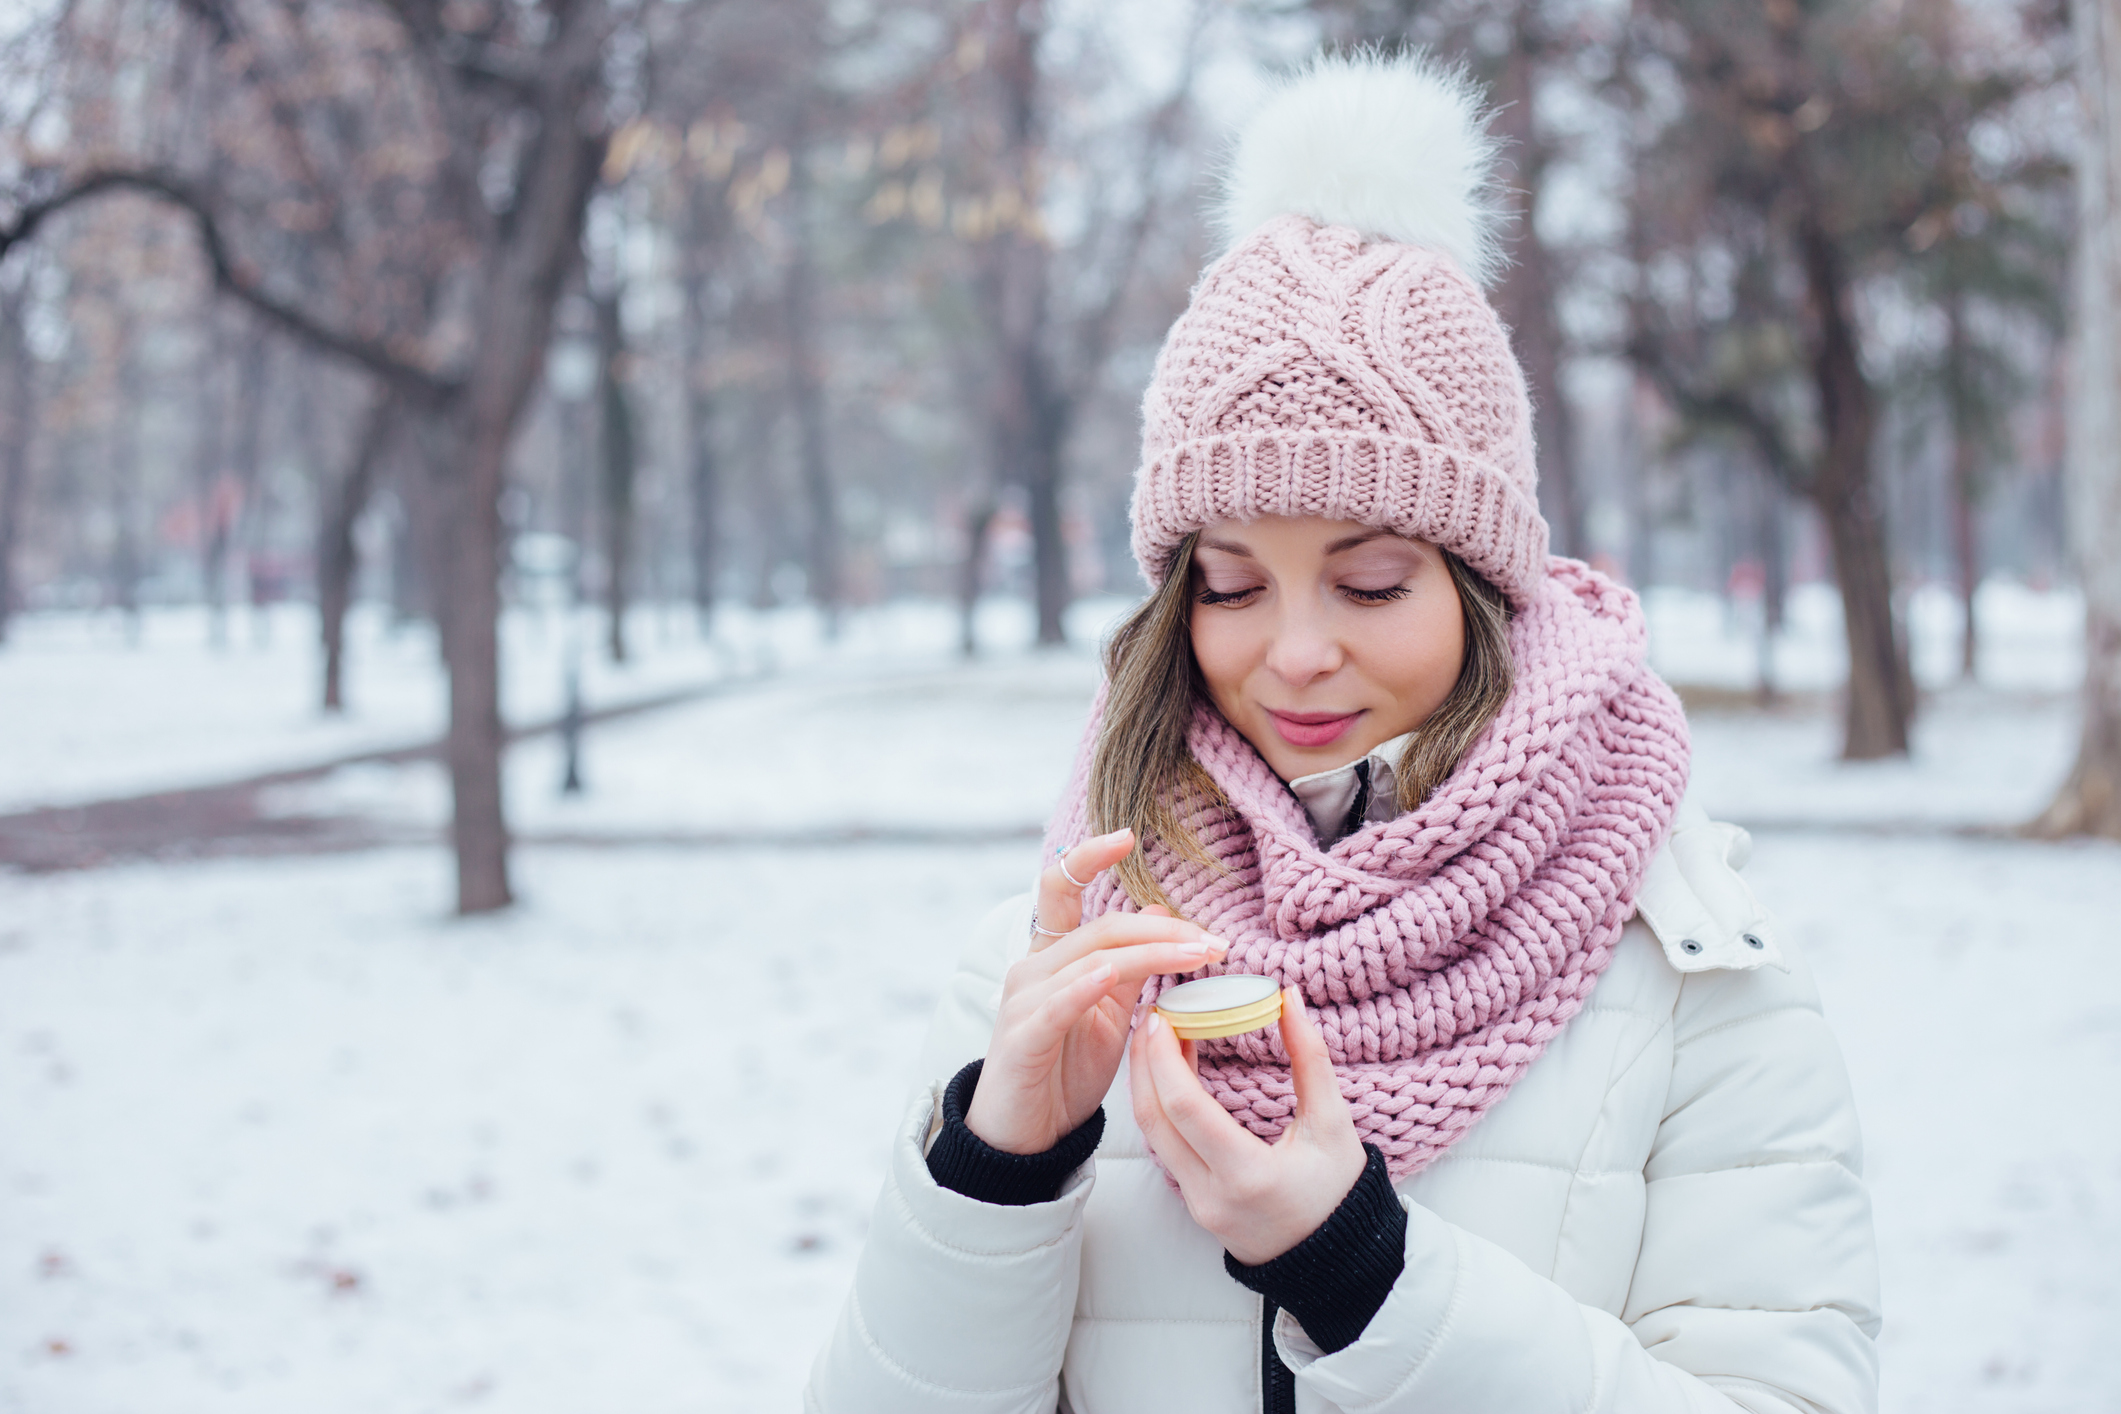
{"x": 1319, "y": 373}
{"x": 1440, "y": 951}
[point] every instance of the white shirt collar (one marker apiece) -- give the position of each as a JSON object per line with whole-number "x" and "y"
{"x": 1328, "y": 797}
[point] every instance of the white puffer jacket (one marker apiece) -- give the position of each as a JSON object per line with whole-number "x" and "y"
{"x": 1663, "y": 1214}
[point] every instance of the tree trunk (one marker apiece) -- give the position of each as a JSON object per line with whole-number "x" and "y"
{"x": 617, "y": 468}
{"x": 1879, "y": 703}
{"x": 246, "y": 411}
{"x": 1966, "y": 551}
{"x": 1774, "y": 579}
{"x": 127, "y": 565}
{"x": 1526, "y": 299}
{"x": 209, "y": 486}
{"x": 523, "y": 279}
{"x": 703, "y": 229}
{"x": 706, "y": 496}
{"x": 806, "y": 396}
{"x": 412, "y": 552}
{"x": 337, "y": 556}
{"x": 972, "y": 576}
{"x": 1049, "y": 545}
{"x": 469, "y": 618}
{"x": 17, "y": 433}
{"x": 1965, "y": 490}
{"x": 1028, "y": 426}
{"x": 2089, "y": 801}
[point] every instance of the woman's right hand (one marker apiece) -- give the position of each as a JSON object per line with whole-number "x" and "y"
{"x": 1062, "y": 1028}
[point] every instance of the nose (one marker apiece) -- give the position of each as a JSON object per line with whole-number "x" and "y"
{"x": 1305, "y": 648}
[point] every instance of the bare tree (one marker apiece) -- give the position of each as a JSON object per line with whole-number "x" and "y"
{"x": 617, "y": 467}
{"x": 2089, "y": 801}
{"x": 1044, "y": 354}
{"x": 806, "y": 392}
{"x": 498, "y": 118}
{"x": 337, "y": 557}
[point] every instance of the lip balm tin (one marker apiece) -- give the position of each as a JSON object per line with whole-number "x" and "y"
{"x": 1220, "y": 1006}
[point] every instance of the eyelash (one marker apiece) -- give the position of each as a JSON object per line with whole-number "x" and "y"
{"x": 1365, "y": 596}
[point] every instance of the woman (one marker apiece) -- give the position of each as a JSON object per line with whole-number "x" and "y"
{"x": 1550, "y": 1121}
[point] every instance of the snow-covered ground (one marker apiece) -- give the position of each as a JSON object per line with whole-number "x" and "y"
{"x": 91, "y": 712}
{"x": 278, "y": 1134}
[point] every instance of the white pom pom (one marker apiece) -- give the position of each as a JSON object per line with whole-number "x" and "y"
{"x": 1395, "y": 147}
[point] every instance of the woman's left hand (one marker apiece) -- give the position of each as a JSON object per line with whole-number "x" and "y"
{"x": 1261, "y": 1199}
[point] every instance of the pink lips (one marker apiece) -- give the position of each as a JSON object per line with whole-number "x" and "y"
{"x": 1312, "y": 728}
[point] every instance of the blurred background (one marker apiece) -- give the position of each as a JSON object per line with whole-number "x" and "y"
{"x": 552, "y": 554}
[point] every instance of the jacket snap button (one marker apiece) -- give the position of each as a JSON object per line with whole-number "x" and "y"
{"x": 1754, "y": 942}
{"x": 1690, "y": 946}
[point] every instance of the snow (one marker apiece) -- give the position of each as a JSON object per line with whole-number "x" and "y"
{"x": 2029, "y": 641}
{"x": 92, "y": 711}
{"x": 281, "y": 1137}
{"x": 280, "y": 1134}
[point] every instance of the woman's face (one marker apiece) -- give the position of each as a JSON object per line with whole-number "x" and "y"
{"x": 1320, "y": 639}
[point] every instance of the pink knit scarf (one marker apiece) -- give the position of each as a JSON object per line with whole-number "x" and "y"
{"x": 1440, "y": 951}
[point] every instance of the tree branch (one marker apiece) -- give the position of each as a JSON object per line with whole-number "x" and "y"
{"x": 1720, "y": 407}
{"x": 419, "y": 382}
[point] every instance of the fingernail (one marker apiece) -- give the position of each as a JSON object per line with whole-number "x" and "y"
{"x": 1114, "y": 834}
{"x": 1196, "y": 949}
{"x": 1154, "y": 1024}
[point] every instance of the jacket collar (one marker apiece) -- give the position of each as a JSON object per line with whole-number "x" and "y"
{"x": 1330, "y": 797}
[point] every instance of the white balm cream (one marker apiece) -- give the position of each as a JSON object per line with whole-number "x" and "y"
{"x": 1220, "y": 1006}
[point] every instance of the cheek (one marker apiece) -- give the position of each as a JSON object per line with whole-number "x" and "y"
{"x": 1417, "y": 655}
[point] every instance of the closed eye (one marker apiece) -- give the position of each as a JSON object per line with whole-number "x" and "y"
{"x": 1375, "y": 596}
{"x": 1210, "y": 596}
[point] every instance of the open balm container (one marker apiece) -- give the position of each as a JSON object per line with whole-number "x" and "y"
{"x": 1220, "y": 1006}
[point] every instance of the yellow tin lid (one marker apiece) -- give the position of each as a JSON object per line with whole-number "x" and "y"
{"x": 1220, "y": 1006}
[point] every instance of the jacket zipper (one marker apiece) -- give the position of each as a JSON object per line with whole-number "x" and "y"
{"x": 1277, "y": 1382}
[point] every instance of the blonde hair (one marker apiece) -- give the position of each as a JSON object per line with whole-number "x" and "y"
{"x": 1142, "y": 773}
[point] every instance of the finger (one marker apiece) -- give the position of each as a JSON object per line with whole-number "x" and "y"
{"x": 1124, "y": 930}
{"x": 1318, "y": 1097}
{"x": 1163, "y": 1138}
{"x": 1041, "y": 1021}
{"x": 1198, "y": 1116}
{"x": 1060, "y": 902}
{"x": 1127, "y": 969}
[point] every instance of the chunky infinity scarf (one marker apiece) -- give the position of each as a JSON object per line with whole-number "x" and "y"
{"x": 1440, "y": 951}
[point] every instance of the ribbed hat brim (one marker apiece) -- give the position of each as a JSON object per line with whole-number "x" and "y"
{"x": 1450, "y": 498}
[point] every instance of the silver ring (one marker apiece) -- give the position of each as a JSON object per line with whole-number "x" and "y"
{"x": 1044, "y": 932}
{"x": 1062, "y": 861}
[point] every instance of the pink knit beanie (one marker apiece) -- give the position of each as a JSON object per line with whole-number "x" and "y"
{"x": 1340, "y": 360}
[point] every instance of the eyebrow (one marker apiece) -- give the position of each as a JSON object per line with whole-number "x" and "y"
{"x": 1349, "y": 542}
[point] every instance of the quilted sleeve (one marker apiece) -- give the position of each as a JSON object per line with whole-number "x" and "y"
{"x": 1756, "y": 1284}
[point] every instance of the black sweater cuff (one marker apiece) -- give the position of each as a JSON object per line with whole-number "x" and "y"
{"x": 964, "y": 1163}
{"x": 1335, "y": 1280}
